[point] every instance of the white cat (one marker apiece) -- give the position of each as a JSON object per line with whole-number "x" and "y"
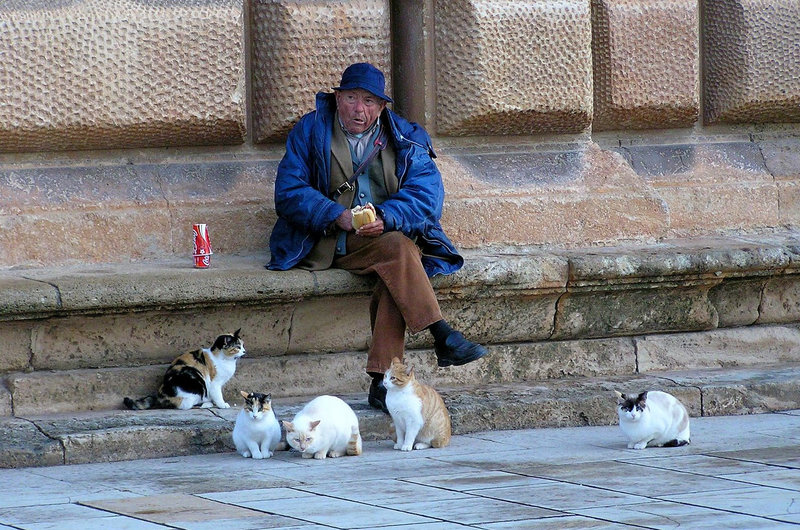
{"x": 653, "y": 418}
{"x": 257, "y": 432}
{"x": 326, "y": 426}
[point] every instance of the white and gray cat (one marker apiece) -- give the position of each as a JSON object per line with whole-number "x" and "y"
{"x": 257, "y": 433}
{"x": 653, "y": 418}
{"x": 326, "y": 426}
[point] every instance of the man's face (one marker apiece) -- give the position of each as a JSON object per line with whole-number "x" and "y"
{"x": 358, "y": 109}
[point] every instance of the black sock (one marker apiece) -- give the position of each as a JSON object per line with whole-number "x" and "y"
{"x": 440, "y": 330}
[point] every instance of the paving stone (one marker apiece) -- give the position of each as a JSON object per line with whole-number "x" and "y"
{"x": 766, "y": 502}
{"x": 173, "y": 508}
{"x": 675, "y": 515}
{"x": 492, "y": 479}
{"x": 474, "y": 510}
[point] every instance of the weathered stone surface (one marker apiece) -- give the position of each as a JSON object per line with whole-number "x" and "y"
{"x": 547, "y": 197}
{"x": 715, "y": 183}
{"x": 66, "y": 391}
{"x": 122, "y": 212}
{"x": 337, "y": 373}
{"x": 706, "y": 259}
{"x": 127, "y": 435}
{"x": 137, "y": 339}
{"x": 6, "y": 408}
{"x": 737, "y": 302}
{"x": 556, "y": 404}
{"x": 173, "y": 284}
{"x": 125, "y": 444}
{"x": 646, "y": 64}
{"x": 723, "y": 348}
{"x": 789, "y": 197}
{"x": 499, "y": 319}
{"x": 330, "y": 324}
{"x": 568, "y": 217}
{"x": 501, "y": 67}
{"x": 781, "y": 300}
{"x": 630, "y": 311}
{"x": 751, "y": 60}
{"x": 90, "y": 236}
{"x": 301, "y": 48}
{"x": 23, "y": 296}
{"x": 570, "y": 194}
{"x": 25, "y": 446}
{"x": 747, "y": 391}
{"x": 164, "y": 74}
{"x": 15, "y": 346}
{"x": 781, "y": 157}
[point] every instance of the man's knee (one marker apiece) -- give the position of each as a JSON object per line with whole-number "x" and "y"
{"x": 397, "y": 243}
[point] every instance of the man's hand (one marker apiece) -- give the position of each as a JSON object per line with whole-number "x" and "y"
{"x": 373, "y": 229}
{"x": 345, "y": 220}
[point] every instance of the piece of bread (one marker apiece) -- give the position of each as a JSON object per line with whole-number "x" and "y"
{"x": 363, "y": 215}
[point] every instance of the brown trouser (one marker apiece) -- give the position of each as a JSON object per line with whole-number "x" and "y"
{"x": 402, "y": 298}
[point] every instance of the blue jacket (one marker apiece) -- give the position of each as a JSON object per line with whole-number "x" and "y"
{"x": 305, "y": 210}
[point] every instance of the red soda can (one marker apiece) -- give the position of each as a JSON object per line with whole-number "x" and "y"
{"x": 202, "y": 246}
{"x": 202, "y": 261}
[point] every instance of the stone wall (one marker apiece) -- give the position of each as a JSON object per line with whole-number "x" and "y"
{"x": 124, "y": 121}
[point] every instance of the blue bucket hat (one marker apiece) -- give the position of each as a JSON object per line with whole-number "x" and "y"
{"x": 365, "y": 76}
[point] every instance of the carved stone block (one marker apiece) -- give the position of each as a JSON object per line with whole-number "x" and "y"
{"x": 751, "y": 57}
{"x": 302, "y": 47}
{"x": 646, "y": 64}
{"x": 512, "y": 67}
{"x": 97, "y": 74}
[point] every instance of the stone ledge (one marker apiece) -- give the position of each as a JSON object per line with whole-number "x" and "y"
{"x": 43, "y": 440}
{"x": 174, "y": 284}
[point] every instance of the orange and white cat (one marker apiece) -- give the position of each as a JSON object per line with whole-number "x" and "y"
{"x": 419, "y": 414}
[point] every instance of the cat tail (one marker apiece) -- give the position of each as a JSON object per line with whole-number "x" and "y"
{"x": 354, "y": 444}
{"x": 676, "y": 443}
{"x": 147, "y": 402}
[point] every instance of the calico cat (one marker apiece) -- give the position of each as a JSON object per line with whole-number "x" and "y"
{"x": 654, "y": 418}
{"x": 418, "y": 411}
{"x": 196, "y": 377}
{"x": 326, "y": 426}
{"x": 256, "y": 433}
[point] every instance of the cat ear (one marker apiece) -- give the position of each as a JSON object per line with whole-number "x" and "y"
{"x": 268, "y": 397}
{"x": 236, "y": 333}
{"x": 620, "y": 395}
{"x": 244, "y": 394}
{"x": 409, "y": 370}
{"x": 396, "y": 360}
{"x": 313, "y": 425}
{"x": 642, "y": 396}
{"x": 289, "y": 426}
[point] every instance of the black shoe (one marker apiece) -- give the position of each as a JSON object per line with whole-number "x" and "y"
{"x": 455, "y": 350}
{"x": 377, "y": 395}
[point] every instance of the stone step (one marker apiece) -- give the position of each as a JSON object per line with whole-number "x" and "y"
{"x": 103, "y": 436}
{"x": 303, "y": 374}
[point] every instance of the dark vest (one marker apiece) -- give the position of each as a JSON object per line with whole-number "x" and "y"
{"x": 383, "y": 184}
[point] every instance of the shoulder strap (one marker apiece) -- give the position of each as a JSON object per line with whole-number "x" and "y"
{"x": 378, "y": 145}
